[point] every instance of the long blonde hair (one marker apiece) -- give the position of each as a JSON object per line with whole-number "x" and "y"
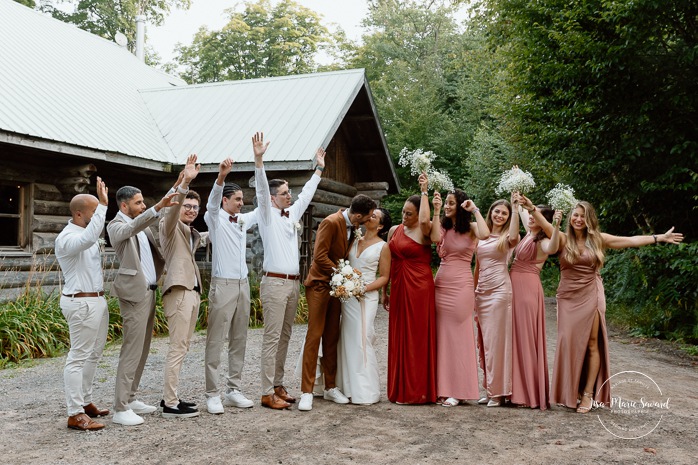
{"x": 503, "y": 241}
{"x": 592, "y": 236}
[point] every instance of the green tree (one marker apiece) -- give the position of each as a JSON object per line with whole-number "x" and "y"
{"x": 106, "y": 17}
{"x": 29, "y": 3}
{"x": 261, "y": 41}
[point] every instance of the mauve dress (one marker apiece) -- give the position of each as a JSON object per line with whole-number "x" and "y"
{"x": 530, "y": 385}
{"x": 411, "y": 325}
{"x": 456, "y": 363}
{"x": 580, "y": 295}
{"x": 493, "y": 317}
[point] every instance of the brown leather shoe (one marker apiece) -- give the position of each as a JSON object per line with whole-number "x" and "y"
{"x": 93, "y": 411}
{"x": 82, "y": 422}
{"x": 283, "y": 394}
{"x": 275, "y": 402}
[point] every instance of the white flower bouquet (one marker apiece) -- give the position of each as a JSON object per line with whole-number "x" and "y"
{"x": 419, "y": 162}
{"x": 439, "y": 181}
{"x": 346, "y": 282}
{"x": 515, "y": 180}
{"x": 561, "y": 197}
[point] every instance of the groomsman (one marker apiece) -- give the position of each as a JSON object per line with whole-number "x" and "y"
{"x": 278, "y": 223}
{"x": 140, "y": 268}
{"x": 83, "y": 304}
{"x": 229, "y": 295}
{"x": 182, "y": 287}
{"x": 332, "y": 242}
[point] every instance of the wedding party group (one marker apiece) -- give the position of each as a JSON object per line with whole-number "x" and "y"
{"x": 438, "y": 325}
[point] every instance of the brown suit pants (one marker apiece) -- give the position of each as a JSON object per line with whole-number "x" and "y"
{"x": 323, "y": 323}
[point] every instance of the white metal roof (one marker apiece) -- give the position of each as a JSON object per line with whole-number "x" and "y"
{"x": 60, "y": 83}
{"x": 297, "y": 114}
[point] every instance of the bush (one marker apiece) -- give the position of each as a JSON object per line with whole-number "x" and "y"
{"x": 653, "y": 290}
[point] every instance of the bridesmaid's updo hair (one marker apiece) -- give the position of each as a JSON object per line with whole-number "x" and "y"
{"x": 547, "y": 213}
{"x": 386, "y": 222}
{"x": 463, "y": 217}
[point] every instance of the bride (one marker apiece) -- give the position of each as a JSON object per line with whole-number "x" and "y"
{"x": 357, "y": 371}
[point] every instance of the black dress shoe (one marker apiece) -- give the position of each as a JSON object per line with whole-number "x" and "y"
{"x": 181, "y": 404}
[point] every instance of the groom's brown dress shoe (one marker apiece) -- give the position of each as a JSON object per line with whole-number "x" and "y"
{"x": 275, "y": 402}
{"x": 93, "y": 411}
{"x": 282, "y": 393}
{"x": 82, "y": 422}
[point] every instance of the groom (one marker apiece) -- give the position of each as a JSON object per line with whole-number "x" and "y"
{"x": 332, "y": 241}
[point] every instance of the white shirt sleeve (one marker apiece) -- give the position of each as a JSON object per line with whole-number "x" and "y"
{"x": 261, "y": 185}
{"x": 73, "y": 244}
{"x": 304, "y": 198}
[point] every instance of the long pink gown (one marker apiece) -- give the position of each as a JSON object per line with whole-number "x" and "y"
{"x": 456, "y": 363}
{"x": 580, "y": 295}
{"x": 493, "y": 317}
{"x": 530, "y": 385}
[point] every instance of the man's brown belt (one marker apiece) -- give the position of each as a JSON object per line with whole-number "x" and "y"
{"x": 294, "y": 277}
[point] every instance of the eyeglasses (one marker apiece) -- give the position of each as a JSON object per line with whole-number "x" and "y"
{"x": 188, "y": 207}
{"x": 284, "y": 193}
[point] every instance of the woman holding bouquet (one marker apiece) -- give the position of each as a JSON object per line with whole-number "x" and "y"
{"x": 530, "y": 385}
{"x": 358, "y": 373}
{"x": 493, "y": 300}
{"x": 411, "y": 326}
{"x": 581, "y": 365}
{"x": 456, "y": 362}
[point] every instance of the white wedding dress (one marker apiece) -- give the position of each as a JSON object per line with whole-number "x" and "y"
{"x": 357, "y": 367}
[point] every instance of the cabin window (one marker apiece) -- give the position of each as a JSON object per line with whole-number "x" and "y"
{"x": 11, "y": 215}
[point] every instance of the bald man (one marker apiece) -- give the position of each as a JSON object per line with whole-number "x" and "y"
{"x": 83, "y": 304}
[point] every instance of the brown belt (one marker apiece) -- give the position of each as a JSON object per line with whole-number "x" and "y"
{"x": 294, "y": 277}
{"x": 85, "y": 294}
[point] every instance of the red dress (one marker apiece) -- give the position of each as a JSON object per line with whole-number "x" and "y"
{"x": 412, "y": 328}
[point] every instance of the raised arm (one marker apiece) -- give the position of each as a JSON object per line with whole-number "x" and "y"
{"x": 479, "y": 226}
{"x": 514, "y": 237}
{"x": 435, "y": 232}
{"x": 552, "y": 245}
{"x": 213, "y": 205}
{"x": 622, "y": 242}
{"x": 261, "y": 184}
{"x": 424, "y": 210}
{"x": 120, "y": 230}
{"x": 308, "y": 191}
{"x": 190, "y": 171}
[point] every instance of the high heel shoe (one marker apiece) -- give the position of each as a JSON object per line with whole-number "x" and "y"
{"x": 495, "y": 402}
{"x": 483, "y": 400}
{"x": 581, "y": 408}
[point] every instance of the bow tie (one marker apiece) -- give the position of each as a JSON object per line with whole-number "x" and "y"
{"x": 233, "y": 219}
{"x": 284, "y": 213}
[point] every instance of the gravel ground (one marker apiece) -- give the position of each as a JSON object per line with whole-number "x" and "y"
{"x": 33, "y": 419}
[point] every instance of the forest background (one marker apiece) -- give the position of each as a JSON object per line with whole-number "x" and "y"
{"x": 601, "y": 95}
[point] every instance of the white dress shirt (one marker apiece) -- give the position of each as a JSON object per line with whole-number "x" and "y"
{"x": 228, "y": 239}
{"x": 78, "y": 253}
{"x": 280, "y": 234}
{"x": 146, "y": 255}
{"x": 350, "y": 226}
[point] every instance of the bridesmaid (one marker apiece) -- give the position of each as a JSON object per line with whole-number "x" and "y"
{"x": 493, "y": 301}
{"x": 456, "y": 363}
{"x": 411, "y": 327}
{"x": 530, "y": 386}
{"x": 581, "y": 360}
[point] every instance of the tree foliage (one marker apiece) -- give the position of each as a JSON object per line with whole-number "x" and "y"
{"x": 29, "y": 3}
{"x": 261, "y": 41}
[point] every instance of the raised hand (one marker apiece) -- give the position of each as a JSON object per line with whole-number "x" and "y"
{"x": 557, "y": 218}
{"x": 102, "y": 192}
{"x": 669, "y": 237}
{"x": 320, "y": 156}
{"x": 166, "y": 201}
{"x": 526, "y": 203}
{"x": 468, "y": 206}
{"x": 225, "y": 167}
{"x": 258, "y": 146}
{"x": 191, "y": 169}
{"x": 423, "y": 182}
{"x": 437, "y": 202}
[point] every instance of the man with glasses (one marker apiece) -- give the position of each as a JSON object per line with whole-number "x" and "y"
{"x": 182, "y": 287}
{"x": 278, "y": 222}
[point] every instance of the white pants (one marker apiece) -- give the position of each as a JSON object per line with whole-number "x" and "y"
{"x": 88, "y": 321}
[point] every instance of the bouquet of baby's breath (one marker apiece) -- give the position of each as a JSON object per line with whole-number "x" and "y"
{"x": 515, "y": 180}
{"x": 419, "y": 162}
{"x": 439, "y": 181}
{"x": 346, "y": 282}
{"x": 561, "y": 197}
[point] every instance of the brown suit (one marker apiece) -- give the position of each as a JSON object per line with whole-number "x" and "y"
{"x": 136, "y": 301}
{"x": 180, "y": 292}
{"x": 331, "y": 244}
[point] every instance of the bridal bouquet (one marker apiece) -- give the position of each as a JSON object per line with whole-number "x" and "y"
{"x": 515, "y": 180}
{"x": 561, "y": 197}
{"x": 419, "y": 162}
{"x": 346, "y": 282}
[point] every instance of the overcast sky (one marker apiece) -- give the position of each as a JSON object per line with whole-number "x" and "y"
{"x": 180, "y": 26}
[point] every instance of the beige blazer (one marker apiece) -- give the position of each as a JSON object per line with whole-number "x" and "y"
{"x": 176, "y": 239}
{"x": 130, "y": 283}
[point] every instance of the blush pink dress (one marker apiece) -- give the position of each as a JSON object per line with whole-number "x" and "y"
{"x": 456, "y": 362}
{"x": 530, "y": 385}
{"x": 493, "y": 317}
{"x": 580, "y": 296}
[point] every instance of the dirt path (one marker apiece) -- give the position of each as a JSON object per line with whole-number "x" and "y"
{"x": 32, "y": 420}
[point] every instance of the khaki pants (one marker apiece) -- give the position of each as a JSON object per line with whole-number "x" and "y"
{"x": 280, "y": 301}
{"x": 181, "y": 309}
{"x": 228, "y": 315}
{"x": 323, "y": 324}
{"x": 88, "y": 322}
{"x": 138, "y": 319}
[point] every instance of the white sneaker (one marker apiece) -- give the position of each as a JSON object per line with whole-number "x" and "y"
{"x": 235, "y": 398}
{"x": 306, "y": 402}
{"x": 141, "y": 408}
{"x": 214, "y": 406}
{"x": 336, "y": 396}
{"x": 127, "y": 418}
{"x": 483, "y": 400}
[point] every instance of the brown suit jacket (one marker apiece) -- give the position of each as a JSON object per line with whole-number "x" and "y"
{"x": 130, "y": 283}
{"x": 331, "y": 244}
{"x": 176, "y": 242}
